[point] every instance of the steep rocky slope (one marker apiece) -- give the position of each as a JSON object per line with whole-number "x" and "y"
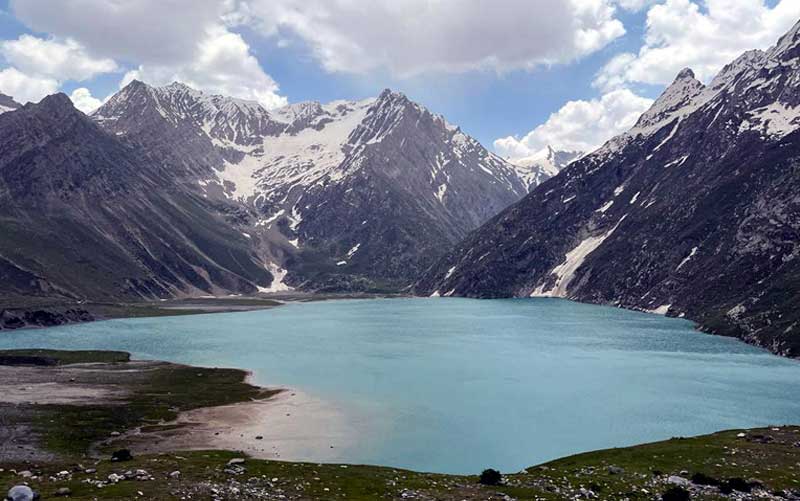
{"x": 84, "y": 216}
{"x": 694, "y": 212}
{"x": 348, "y": 195}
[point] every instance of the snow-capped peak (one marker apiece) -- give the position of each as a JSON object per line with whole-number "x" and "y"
{"x": 673, "y": 102}
{"x": 542, "y": 165}
{"x": 757, "y": 93}
{"x": 298, "y": 112}
{"x": 271, "y": 158}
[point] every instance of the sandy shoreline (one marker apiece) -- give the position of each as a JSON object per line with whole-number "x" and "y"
{"x": 288, "y": 425}
{"x": 293, "y": 426}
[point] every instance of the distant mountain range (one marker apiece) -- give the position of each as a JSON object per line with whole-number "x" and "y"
{"x": 543, "y": 165}
{"x": 694, "y": 212}
{"x": 351, "y": 195}
{"x": 168, "y": 191}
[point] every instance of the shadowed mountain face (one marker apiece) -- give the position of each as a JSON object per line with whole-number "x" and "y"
{"x": 344, "y": 196}
{"x": 85, "y": 216}
{"x": 694, "y": 212}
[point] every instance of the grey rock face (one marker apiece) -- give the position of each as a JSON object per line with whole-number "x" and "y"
{"x": 694, "y": 212}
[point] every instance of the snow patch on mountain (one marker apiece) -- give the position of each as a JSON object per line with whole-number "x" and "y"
{"x": 775, "y": 120}
{"x": 565, "y": 272}
{"x": 281, "y": 162}
{"x": 278, "y": 276}
{"x": 687, "y": 258}
{"x": 353, "y": 250}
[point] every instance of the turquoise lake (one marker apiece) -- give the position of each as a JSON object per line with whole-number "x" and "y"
{"x": 458, "y": 385}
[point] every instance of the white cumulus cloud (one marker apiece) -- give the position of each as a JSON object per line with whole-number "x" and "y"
{"x": 417, "y": 36}
{"x": 581, "y": 125}
{"x": 63, "y": 60}
{"x": 702, "y": 36}
{"x": 635, "y": 5}
{"x": 222, "y": 64}
{"x": 161, "y": 41}
{"x": 26, "y": 88}
{"x": 134, "y": 31}
{"x": 83, "y": 100}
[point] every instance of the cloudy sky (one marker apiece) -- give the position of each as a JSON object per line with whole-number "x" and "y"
{"x": 516, "y": 74}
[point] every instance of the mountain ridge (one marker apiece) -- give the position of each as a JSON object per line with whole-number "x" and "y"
{"x": 283, "y": 165}
{"x": 171, "y": 192}
{"x": 690, "y": 213}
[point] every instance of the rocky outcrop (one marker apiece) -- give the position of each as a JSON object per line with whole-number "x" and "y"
{"x": 42, "y": 317}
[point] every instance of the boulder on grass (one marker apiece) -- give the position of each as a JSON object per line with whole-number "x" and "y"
{"x": 21, "y": 493}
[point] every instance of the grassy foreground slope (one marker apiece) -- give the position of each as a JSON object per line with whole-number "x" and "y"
{"x": 739, "y": 464}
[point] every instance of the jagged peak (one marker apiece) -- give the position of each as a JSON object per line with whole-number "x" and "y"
{"x": 675, "y": 99}
{"x": 548, "y": 158}
{"x": 180, "y": 86}
{"x": 135, "y": 83}
{"x": 684, "y": 79}
{"x": 388, "y": 93}
{"x": 55, "y": 107}
{"x": 301, "y": 108}
{"x": 134, "y": 86}
{"x": 394, "y": 101}
{"x": 178, "y": 95}
{"x": 397, "y": 100}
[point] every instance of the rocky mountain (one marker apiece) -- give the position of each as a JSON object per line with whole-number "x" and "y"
{"x": 542, "y": 165}
{"x": 694, "y": 212}
{"x": 7, "y": 103}
{"x": 86, "y": 216}
{"x": 346, "y": 195}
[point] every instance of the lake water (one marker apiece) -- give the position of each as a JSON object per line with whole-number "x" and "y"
{"x": 458, "y": 385}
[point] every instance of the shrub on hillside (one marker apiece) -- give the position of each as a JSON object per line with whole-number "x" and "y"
{"x": 490, "y": 477}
